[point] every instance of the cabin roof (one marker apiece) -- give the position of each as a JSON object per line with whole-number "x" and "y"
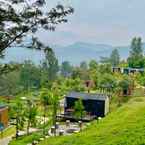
{"x": 134, "y": 69}
{"x": 87, "y": 96}
{"x": 128, "y": 68}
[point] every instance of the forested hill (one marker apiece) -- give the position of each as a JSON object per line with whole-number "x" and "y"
{"x": 74, "y": 53}
{"x": 126, "y": 126}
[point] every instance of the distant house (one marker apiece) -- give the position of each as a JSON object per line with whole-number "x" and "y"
{"x": 116, "y": 69}
{"x": 133, "y": 70}
{"x": 127, "y": 70}
{"x": 95, "y": 104}
{"x": 3, "y": 116}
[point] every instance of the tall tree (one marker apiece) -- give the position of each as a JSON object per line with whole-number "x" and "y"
{"x": 45, "y": 101}
{"x": 66, "y": 69}
{"x": 83, "y": 65}
{"x": 136, "y": 53}
{"x": 107, "y": 82}
{"x": 30, "y": 114}
{"x": 115, "y": 58}
{"x": 50, "y": 65}
{"x": 55, "y": 97}
{"x": 17, "y": 112}
{"x": 18, "y": 18}
{"x": 29, "y": 76}
{"x": 93, "y": 64}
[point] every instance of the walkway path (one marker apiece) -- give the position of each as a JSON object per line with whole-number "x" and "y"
{"x": 5, "y": 141}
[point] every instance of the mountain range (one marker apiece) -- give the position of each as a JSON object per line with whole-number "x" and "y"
{"x": 74, "y": 53}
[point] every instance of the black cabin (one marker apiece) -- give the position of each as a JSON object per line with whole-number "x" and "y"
{"x": 94, "y": 104}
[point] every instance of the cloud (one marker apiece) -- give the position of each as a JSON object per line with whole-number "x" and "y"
{"x": 101, "y": 21}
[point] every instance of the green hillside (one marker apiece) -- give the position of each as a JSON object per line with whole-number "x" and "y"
{"x": 126, "y": 126}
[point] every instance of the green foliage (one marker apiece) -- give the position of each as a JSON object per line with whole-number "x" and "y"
{"x": 45, "y": 100}
{"x": 30, "y": 76}
{"x": 93, "y": 65}
{"x": 66, "y": 69}
{"x": 107, "y": 82}
{"x": 136, "y": 59}
{"x": 26, "y": 139}
{"x": 83, "y": 65}
{"x": 50, "y": 67}
{"x": 9, "y": 84}
{"x": 79, "y": 109}
{"x": 28, "y": 20}
{"x": 55, "y": 97}
{"x": 105, "y": 68}
{"x": 125, "y": 83}
{"x": 30, "y": 114}
{"x": 18, "y": 113}
{"x": 114, "y": 58}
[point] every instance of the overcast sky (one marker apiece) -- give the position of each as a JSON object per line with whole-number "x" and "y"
{"x": 112, "y": 22}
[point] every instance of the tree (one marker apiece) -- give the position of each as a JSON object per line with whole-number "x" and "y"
{"x": 115, "y": 58}
{"x": 135, "y": 59}
{"x": 93, "y": 64}
{"x": 125, "y": 84}
{"x": 17, "y": 112}
{"x": 45, "y": 102}
{"x": 18, "y": 18}
{"x": 7, "y": 68}
{"x": 55, "y": 97}
{"x": 107, "y": 82}
{"x": 79, "y": 109}
{"x": 30, "y": 76}
{"x": 83, "y": 65}
{"x": 50, "y": 66}
{"x": 66, "y": 69}
{"x": 30, "y": 114}
{"x": 9, "y": 84}
{"x": 105, "y": 60}
{"x": 105, "y": 68}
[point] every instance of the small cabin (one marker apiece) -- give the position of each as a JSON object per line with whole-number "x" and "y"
{"x": 127, "y": 70}
{"x": 94, "y": 104}
{"x": 133, "y": 70}
{"x": 116, "y": 69}
{"x": 3, "y": 116}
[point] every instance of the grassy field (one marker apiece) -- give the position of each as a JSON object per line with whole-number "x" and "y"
{"x": 26, "y": 139}
{"x": 8, "y": 132}
{"x": 125, "y": 126}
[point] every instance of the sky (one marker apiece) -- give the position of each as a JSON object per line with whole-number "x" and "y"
{"x": 113, "y": 22}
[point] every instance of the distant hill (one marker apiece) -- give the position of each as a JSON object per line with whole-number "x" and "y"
{"x": 75, "y": 53}
{"x": 80, "y": 51}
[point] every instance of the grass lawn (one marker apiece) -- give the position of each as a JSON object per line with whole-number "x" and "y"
{"x": 26, "y": 139}
{"x": 8, "y": 132}
{"x": 125, "y": 126}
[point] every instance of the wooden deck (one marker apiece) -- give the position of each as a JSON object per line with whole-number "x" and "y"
{"x": 72, "y": 118}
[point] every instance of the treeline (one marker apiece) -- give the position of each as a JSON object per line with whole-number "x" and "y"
{"x": 27, "y": 77}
